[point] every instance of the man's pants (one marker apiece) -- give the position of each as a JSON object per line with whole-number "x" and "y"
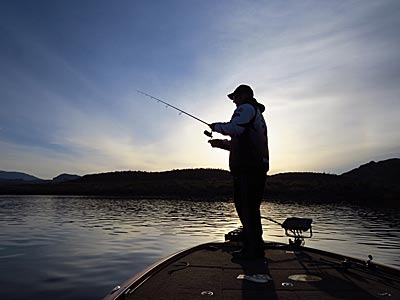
{"x": 248, "y": 194}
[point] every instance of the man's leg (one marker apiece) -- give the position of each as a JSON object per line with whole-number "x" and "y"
{"x": 256, "y": 193}
{"x": 248, "y": 193}
{"x": 239, "y": 197}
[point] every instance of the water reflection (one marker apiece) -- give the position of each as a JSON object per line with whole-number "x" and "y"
{"x": 80, "y": 247}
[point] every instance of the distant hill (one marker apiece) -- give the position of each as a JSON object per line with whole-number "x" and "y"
{"x": 386, "y": 171}
{"x": 370, "y": 184}
{"x": 65, "y": 177}
{"x": 17, "y": 177}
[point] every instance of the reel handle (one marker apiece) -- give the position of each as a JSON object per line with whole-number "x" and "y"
{"x": 208, "y": 133}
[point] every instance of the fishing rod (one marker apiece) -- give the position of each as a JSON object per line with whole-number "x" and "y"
{"x": 207, "y": 133}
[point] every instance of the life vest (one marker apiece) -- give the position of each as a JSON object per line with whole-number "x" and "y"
{"x": 249, "y": 150}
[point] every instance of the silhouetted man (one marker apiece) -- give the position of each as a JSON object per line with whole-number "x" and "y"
{"x": 248, "y": 163}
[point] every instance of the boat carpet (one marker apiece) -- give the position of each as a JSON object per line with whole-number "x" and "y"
{"x": 212, "y": 273}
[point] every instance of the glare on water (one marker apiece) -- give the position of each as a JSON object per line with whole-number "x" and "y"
{"x": 80, "y": 247}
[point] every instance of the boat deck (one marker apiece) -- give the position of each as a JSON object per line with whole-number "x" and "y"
{"x": 208, "y": 271}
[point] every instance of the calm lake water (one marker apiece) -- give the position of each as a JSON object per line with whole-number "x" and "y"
{"x": 81, "y": 247}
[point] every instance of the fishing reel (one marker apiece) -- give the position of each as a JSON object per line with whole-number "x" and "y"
{"x": 208, "y": 133}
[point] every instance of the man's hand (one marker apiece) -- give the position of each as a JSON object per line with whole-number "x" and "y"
{"x": 217, "y": 143}
{"x": 212, "y": 126}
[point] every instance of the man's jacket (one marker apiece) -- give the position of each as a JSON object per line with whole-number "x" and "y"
{"x": 249, "y": 138}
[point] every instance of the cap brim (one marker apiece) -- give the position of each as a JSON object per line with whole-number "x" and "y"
{"x": 230, "y": 96}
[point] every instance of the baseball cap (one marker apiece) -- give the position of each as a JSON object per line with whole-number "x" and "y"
{"x": 242, "y": 89}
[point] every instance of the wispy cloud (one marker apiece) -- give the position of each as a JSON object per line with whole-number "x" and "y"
{"x": 328, "y": 78}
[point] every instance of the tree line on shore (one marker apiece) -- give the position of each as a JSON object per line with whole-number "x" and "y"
{"x": 370, "y": 184}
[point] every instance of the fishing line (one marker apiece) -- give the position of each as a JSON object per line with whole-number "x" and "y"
{"x": 207, "y": 133}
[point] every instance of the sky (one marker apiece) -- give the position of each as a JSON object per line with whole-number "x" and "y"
{"x": 328, "y": 73}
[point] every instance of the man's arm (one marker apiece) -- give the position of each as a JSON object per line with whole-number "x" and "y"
{"x": 241, "y": 117}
